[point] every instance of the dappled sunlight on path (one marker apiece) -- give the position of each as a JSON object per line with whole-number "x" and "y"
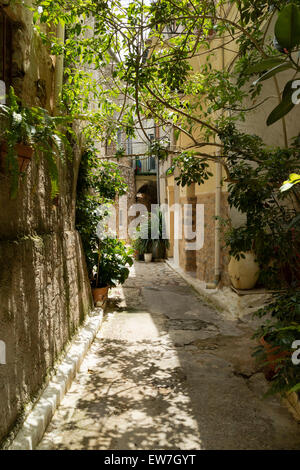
{"x": 168, "y": 372}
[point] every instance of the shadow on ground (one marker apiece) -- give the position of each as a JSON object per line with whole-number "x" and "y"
{"x": 169, "y": 372}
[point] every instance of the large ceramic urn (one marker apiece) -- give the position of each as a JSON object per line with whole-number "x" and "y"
{"x": 244, "y": 272}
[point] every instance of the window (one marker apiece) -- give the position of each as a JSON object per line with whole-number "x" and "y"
{"x": 151, "y": 164}
{"x": 129, "y": 146}
{"x": 5, "y": 48}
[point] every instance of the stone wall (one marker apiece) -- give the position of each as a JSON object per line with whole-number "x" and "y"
{"x": 127, "y": 173}
{"x": 205, "y": 258}
{"x": 187, "y": 257}
{"x": 44, "y": 290}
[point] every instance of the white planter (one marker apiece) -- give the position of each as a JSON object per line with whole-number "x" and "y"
{"x": 244, "y": 272}
{"x": 148, "y": 257}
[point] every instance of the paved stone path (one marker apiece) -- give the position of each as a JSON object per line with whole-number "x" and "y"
{"x": 168, "y": 371}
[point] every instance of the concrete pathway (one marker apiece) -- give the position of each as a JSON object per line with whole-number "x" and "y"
{"x": 168, "y": 371}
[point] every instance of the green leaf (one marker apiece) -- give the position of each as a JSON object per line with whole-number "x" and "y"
{"x": 287, "y": 27}
{"x": 284, "y": 107}
{"x": 35, "y": 17}
{"x": 266, "y": 64}
{"x": 295, "y": 388}
{"x": 273, "y": 71}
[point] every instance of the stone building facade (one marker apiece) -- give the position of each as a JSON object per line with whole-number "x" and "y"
{"x": 209, "y": 263}
{"x": 44, "y": 290}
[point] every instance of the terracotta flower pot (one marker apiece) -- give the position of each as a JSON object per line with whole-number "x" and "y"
{"x": 100, "y": 294}
{"x": 25, "y": 153}
{"x": 244, "y": 272}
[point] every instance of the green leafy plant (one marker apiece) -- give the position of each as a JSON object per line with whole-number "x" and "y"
{"x": 271, "y": 226}
{"x": 99, "y": 182}
{"x": 138, "y": 246}
{"x": 151, "y": 235}
{"x": 111, "y": 263}
{"x": 238, "y": 240}
{"x": 160, "y": 243}
{"x": 286, "y": 41}
{"x": 144, "y": 242}
{"x": 192, "y": 169}
{"x": 204, "y": 104}
{"x": 32, "y": 126}
{"x": 280, "y": 329}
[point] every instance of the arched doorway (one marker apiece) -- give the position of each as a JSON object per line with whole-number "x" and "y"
{"x": 147, "y": 194}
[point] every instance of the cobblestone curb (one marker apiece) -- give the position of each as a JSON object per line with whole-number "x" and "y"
{"x": 38, "y": 419}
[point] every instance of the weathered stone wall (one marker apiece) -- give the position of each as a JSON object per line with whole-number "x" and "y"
{"x": 187, "y": 257}
{"x": 205, "y": 258}
{"x": 127, "y": 172}
{"x": 44, "y": 290}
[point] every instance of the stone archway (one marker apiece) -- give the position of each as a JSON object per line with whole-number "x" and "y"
{"x": 147, "y": 194}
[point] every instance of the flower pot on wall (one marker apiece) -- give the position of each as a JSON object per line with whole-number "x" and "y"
{"x": 100, "y": 294}
{"x": 244, "y": 272}
{"x": 148, "y": 257}
{"x": 24, "y": 152}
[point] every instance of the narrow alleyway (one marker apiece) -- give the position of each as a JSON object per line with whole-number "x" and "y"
{"x": 169, "y": 372}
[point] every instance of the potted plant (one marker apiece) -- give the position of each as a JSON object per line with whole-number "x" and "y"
{"x": 138, "y": 247}
{"x": 99, "y": 181}
{"x": 143, "y": 247}
{"x": 243, "y": 268}
{"x": 272, "y": 355}
{"x": 112, "y": 262}
{"x": 144, "y": 240}
{"x": 160, "y": 244}
{"x": 148, "y": 251}
{"x": 25, "y": 131}
{"x": 16, "y": 136}
{"x": 150, "y": 242}
{"x": 278, "y": 332}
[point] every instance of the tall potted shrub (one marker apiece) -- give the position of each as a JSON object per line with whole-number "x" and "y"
{"x": 111, "y": 267}
{"x": 99, "y": 182}
{"x": 151, "y": 242}
{"x": 160, "y": 244}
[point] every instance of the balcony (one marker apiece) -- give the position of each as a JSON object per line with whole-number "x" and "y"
{"x": 145, "y": 166}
